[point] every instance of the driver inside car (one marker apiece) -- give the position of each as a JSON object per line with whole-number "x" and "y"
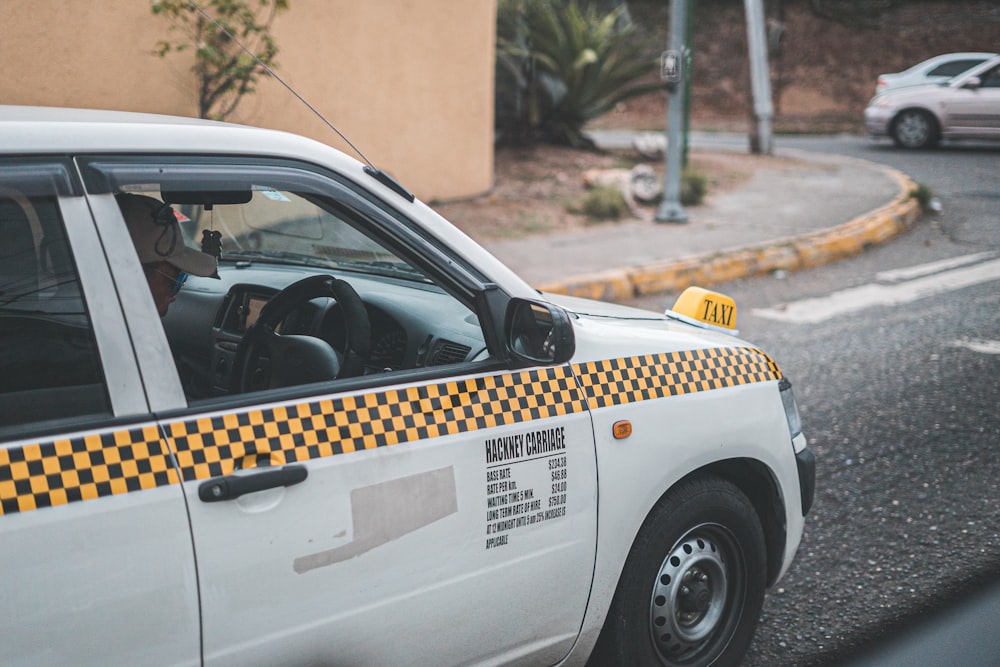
{"x": 166, "y": 260}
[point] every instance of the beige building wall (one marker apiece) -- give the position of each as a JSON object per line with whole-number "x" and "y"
{"x": 409, "y": 83}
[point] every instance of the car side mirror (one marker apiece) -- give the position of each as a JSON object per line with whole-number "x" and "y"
{"x": 538, "y": 333}
{"x": 973, "y": 83}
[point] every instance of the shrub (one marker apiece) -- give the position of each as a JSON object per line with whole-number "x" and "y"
{"x": 694, "y": 186}
{"x": 923, "y": 195}
{"x": 225, "y": 72}
{"x": 559, "y": 66}
{"x": 604, "y": 203}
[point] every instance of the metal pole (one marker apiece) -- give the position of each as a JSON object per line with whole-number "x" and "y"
{"x": 760, "y": 79}
{"x": 670, "y": 209}
{"x": 688, "y": 75}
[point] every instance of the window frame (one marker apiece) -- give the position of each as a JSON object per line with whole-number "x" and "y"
{"x": 105, "y": 174}
{"x": 56, "y": 177}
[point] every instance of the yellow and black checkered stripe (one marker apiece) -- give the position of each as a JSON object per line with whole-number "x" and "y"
{"x": 627, "y": 380}
{"x": 116, "y": 462}
{"x": 208, "y": 447}
{"x": 84, "y": 468}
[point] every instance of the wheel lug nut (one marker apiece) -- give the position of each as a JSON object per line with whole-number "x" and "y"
{"x": 685, "y": 590}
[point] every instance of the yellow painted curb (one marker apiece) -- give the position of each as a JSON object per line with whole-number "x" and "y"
{"x": 791, "y": 254}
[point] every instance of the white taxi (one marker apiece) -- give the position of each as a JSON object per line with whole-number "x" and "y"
{"x": 260, "y": 406}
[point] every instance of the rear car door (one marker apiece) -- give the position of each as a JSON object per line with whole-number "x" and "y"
{"x": 95, "y": 547}
{"x": 439, "y": 508}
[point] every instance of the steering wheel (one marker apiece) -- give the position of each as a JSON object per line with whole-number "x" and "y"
{"x": 266, "y": 359}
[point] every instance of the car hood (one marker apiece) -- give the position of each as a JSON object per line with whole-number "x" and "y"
{"x": 593, "y": 308}
{"x": 607, "y": 329}
{"x": 922, "y": 91}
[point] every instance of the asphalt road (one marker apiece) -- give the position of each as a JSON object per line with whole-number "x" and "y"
{"x": 900, "y": 404}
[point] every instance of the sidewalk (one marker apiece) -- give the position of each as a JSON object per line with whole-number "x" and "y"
{"x": 823, "y": 209}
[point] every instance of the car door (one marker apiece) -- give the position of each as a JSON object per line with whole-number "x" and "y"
{"x": 95, "y": 549}
{"x": 975, "y": 112}
{"x": 431, "y": 515}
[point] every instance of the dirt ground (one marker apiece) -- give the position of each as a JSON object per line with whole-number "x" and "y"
{"x": 823, "y": 72}
{"x": 536, "y": 188}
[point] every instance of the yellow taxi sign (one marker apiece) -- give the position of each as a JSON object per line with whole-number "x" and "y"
{"x": 705, "y": 308}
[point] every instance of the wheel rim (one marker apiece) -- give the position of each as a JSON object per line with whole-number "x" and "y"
{"x": 913, "y": 129}
{"x": 697, "y": 589}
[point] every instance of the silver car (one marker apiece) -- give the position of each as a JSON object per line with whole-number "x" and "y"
{"x": 933, "y": 70}
{"x": 964, "y": 107}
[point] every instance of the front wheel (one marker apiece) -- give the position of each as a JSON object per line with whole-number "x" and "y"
{"x": 693, "y": 585}
{"x": 914, "y": 128}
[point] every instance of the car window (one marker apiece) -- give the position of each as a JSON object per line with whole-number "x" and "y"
{"x": 316, "y": 281}
{"x": 282, "y": 226}
{"x": 990, "y": 78}
{"x": 954, "y": 67}
{"x": 49, "y": 365}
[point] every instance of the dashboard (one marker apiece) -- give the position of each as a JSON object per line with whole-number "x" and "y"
{"x": 413, "y": 324}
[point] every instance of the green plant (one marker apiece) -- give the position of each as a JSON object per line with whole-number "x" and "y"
{"x": 694, "y": 187}
{"x": 226, "y": 72}
{"x": 560, "y": 66}
{"x": 604, "y": 203}
{"x": 922, "y": 194}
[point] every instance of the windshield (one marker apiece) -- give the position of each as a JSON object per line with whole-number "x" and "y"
{"x": 283, "y": 227}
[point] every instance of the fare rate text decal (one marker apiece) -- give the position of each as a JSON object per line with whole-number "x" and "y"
{"x": 525, "y": 481}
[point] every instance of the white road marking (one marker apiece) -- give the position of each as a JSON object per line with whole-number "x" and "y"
{"x": 909, "y": 273}
{"x": 811, "y": 311}
{"x": 978, "y": 345}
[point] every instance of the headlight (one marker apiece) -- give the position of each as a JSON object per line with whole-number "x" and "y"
{"x": 791, "y": 407}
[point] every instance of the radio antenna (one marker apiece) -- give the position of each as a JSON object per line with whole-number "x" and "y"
{"x": 274, "y": 74}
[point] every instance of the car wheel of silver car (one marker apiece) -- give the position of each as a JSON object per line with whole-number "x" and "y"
{"x": 914, "y": 128}
{"x": 693, "y": 585}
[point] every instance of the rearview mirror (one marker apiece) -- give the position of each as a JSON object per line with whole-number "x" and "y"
{"x": 538, "y": 333}
{"x": 206, "y": 198}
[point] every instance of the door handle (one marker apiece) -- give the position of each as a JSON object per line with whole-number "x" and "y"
{"x": 234, "y": 486}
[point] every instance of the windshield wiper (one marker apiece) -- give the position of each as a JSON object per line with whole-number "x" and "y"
{"x": 391, "y": 269}
{"x": 379, "y": 267}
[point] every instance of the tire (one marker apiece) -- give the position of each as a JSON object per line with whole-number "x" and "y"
{"x": 914, "y": 128}
{"x": 693, "y": 584}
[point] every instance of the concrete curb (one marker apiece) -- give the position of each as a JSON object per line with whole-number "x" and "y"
{"x": 787, "y": 254}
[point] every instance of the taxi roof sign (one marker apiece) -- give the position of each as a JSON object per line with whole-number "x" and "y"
{"x": 705, "y": 308}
